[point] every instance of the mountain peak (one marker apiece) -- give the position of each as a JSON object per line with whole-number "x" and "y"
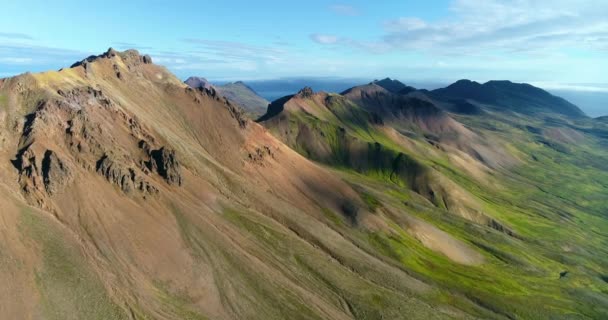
{"x": 392, "y": 85}
{"x": 465, "y": 83}
{"x": 305, "y": 93}
{"x": 130, "y": 56}
{"x": 198, "y": 83}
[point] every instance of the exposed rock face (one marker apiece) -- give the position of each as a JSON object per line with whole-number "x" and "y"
{"x": 124, "y": 177}
{"x": 92, "y": 133}
{"x": 130, "y": 58}
{"x": 55, "y": 173}
{"x": 258, "y": 156}
{"x": 305, "y": 93}
{"x": 29, "y": 175}
{"x": 164, "y": 162}
{"x": 147, "y": 59}
{"x": 41, "y": 174}
{"x": 238, "y": 114}
{"x": 198, "y": 82}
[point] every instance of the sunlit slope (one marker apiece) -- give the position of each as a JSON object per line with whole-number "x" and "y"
{"x": 525, "y": 190}
{"x": 128, "y": 195}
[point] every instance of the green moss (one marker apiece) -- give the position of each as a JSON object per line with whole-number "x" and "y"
{"x": 3, "y": 101}
{"x": 69, "y": 288}
{"x": 178, "y": 304}
{"x": 329, "y": 214}
{"x": 371, "y": 201}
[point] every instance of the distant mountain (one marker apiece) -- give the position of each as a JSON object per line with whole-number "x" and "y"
{"x": 394, "y": 86}
{"x": 242, "y": 94}
{"x": 237, "y": 92}
{"x": 198, "y": 82}
{"x": 518, "y": 97}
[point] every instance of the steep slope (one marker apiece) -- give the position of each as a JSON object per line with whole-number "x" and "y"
{"x": 127, "y": 194}
{"x": 508, "y": 96}
{"x": 378, "y": 133}
{"x": 486, "y": 167}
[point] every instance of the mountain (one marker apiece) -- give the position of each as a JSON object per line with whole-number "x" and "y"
{"x": 237, "y": 92}
{"x": 508, "y": 96}
{"x": 199, "y": 82}
{"x": 513, "y": 175}
{"x": 243, "y": 95}
{"x": 394, "y": 86}
{"x": 127, "y": 194}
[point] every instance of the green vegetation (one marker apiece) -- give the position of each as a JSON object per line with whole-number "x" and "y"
{"x": 549, "y": 210}
{"x": 178, "y": 304}
{"x": 68, "y": 286}
{"x": 3, "y": 101}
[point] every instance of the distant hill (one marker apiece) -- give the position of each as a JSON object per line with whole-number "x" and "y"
{"x": 518, "y": 97}
{"x": 394, "y": 86}
{"x": 242, "y": 94}
{"x": 237, "y": 92}
{"x": 198, "y": 82}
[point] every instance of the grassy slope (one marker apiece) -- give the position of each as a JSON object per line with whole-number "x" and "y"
{"x": 555, "y": 201}
{"x": 269, "y": 252}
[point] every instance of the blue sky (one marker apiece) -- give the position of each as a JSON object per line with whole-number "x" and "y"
{"x": 561, "y": 44}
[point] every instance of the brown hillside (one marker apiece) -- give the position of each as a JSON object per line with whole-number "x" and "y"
{"x": 127, "y": 195}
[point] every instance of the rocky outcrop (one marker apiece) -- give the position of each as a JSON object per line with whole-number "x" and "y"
{"x": 260, "y": 154}
{"x": 146, "y": 59}
{"x": 41, "y": 174}
{"x": 98, "y": 136}
{"x": 124, "y": 177}
{"x": 130, "y": 58}
{"x": 238, "y": 114}
{"x": 305, "y": 93}
{"x": 55, "y": 172}
{"x": 29, "y": 173}
{"x": 198, "y": 82}
{"x": 164, "y": 162}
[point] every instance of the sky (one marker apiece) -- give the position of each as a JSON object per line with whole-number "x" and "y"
{"x": 558, "y": 43}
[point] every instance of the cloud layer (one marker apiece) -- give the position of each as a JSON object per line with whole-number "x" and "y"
{"x": 344, "y": 9}
{"x": 495, "y": 26}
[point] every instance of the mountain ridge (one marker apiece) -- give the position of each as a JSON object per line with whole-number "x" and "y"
{"x": 510, "y": 95}
{"x": 127, "y": 194}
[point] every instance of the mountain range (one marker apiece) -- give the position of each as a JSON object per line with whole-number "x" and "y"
{"x": 126, "y": 193}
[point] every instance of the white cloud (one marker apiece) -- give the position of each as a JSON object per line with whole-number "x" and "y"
{"x": 572, "y": 87}
{"x": 324, "y": 38}
{"x": 407, "y": 24}
{"x": 15, "y": 60}
{"x": 344, "y": 9}
{"x": 524, "y": 26}
{"x": 15, "y": 35}
{"x": 169, "y": 60}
